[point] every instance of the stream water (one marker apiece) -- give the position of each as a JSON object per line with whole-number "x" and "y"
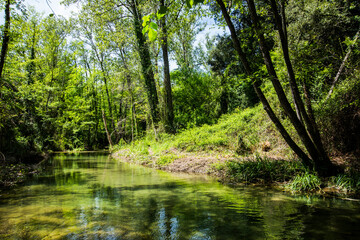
{"x": 94, "y": 197}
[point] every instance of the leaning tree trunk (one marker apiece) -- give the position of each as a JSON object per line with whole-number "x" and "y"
{"x": 319, "y": 158}
{"x": 147, "y": 68}
{"x": 169, "y": 109}
{"x": 308, "y": 117}
{"x": 256, "y": 84}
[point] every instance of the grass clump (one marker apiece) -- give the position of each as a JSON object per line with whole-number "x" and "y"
{"x": 347, "y": 182}
{"x": 166, "y": 159}
{"x": 262, "y": 170}
{"x": 305, "y": 182}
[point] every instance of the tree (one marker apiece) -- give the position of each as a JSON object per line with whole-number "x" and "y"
{"x": 317, "y": 157}
{"x": 146, "y": 64}
{"x": 169, "y": 109}
{"x": 5, "y": 40}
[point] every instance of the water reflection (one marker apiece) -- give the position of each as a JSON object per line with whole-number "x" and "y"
{"x": 94, "y": 197}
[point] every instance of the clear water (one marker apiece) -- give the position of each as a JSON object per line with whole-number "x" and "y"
{"x": 95, "y": 197}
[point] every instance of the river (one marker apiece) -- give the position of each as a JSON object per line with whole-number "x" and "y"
{"x": 90, "y": 196}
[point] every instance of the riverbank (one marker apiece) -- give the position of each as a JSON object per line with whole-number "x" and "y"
{"x": 285, "y": 175}
{"x": 14, "y": 171}
{"x": 242, "y": 148}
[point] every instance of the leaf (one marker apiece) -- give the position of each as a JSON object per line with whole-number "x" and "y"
{"x": 154, "y": 26}
{"x": 152, "y": 35}
{"x": 189, "y": 3}
{"x": 146, "y": 19}
{"x": 145, "y": 29}
{"x": 159, "y": 16}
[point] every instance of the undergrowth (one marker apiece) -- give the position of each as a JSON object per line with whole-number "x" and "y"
{"x": 244, "y": 133}
{"x": 305, "y": 182}
{"x": 347, "y": 182}
{"x": 262, "y": 170}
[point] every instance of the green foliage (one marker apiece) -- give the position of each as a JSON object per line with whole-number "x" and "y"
{"x": 240, "y": 133}
{"x": 166, "y": 159}
{"x": 60, "y": 75}
{"x": 194, "y": 96}
{"x": 322, "y": 30}
{"x": 262, "y": 170}
{"x": 347, "y": 183}
{"x": 339, "y": 116}
{"x": 305, "y": 182}
{"x": 224, "y": 134}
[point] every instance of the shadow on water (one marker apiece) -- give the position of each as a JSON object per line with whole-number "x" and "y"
{"x": 93, "y": 197}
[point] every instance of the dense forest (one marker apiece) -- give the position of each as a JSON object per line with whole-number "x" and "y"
{"x": 120, "y": 70}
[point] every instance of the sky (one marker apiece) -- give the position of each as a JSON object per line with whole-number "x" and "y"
{"x": 46, "y": 6}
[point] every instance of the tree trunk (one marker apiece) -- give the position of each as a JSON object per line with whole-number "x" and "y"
{"x": 5, "y": 40}
{"x": 321, "y": 161}
{"x": 31, "y": 66}
{"x": 146, "y": 64}
{"x": 103, "y": 70}
{"x": 106, "y": 129}
{"x": 169, "y": 109}
{"x": 309, "y": 120}
{"x": 256, "y": 84}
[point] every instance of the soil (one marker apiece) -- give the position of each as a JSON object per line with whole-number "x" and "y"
{"x": 185, "y": 162}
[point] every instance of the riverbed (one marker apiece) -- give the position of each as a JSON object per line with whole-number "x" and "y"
{"x": 91, "y": 196}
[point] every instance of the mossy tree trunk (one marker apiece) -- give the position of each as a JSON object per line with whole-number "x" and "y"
{"x": 147, "y": 68}
{"x": 5, "y": 40}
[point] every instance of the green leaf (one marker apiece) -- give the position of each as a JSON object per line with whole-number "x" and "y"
{"x": 152, "y": 35}
{"x": 145, "y": 29}
{"x": 146, "y": 19}
{"x": 154, "y": 26}
{"x": 189, "y": 3}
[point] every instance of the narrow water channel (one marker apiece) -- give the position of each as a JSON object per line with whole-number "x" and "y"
{"x": 94, "y": 197}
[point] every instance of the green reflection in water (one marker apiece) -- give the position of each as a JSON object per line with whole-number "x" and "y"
{"x": 93, "y": 197}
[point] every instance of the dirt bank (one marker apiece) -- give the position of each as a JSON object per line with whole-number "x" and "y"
{"x": 197, "y": 162}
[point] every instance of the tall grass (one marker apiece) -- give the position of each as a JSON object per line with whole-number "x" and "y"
{"x": 262, "y": 170}
{"x": 305, "y": 182}
{"x": 347, "y": 183}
